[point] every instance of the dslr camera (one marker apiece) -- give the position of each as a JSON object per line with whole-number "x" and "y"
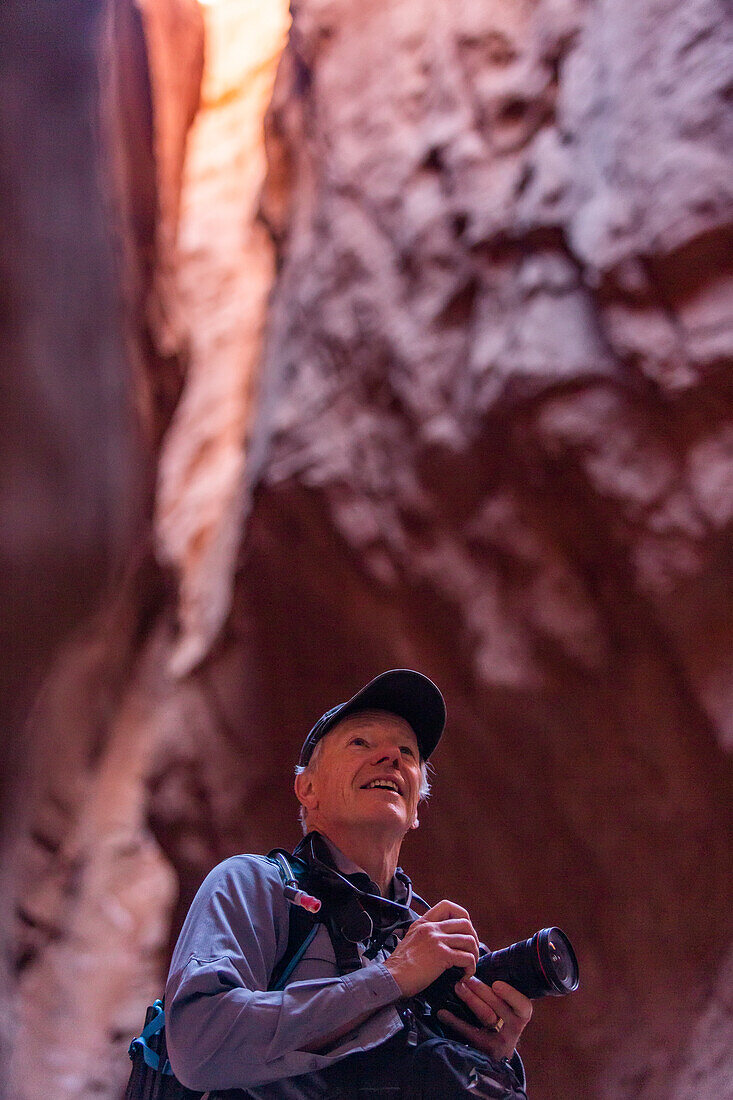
{"x": 541, "y": 966}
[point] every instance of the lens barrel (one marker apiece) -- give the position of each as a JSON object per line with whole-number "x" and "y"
{"x": 541, "y": 966}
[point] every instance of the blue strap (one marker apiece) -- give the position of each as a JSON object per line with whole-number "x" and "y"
{"x": 296, "y": 958}
{"x": 154, "y": 1026}
{"x": 157, "y": 1023}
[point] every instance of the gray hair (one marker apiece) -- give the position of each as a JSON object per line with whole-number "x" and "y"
{"x": 424, "y": 792}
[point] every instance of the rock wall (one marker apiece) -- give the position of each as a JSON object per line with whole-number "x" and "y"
{"x": 193, "y": 270}
{"x": 98, "y": 351}
{"x": 73, "y": 460}
{"x": 494, "y": 442}
{"x": 492, "y": 439}
{"x": 226, "y": 271}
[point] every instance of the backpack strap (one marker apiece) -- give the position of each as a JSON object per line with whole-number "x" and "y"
{"x": 303, "y": 925}
{"x": 347, "y": 955}
{"x": 297, "y": 878}
{"x": 140, "y": 1045}
{"x": 151, "y": 1066}
{"x": 293, "y": 872}
{"x": 301, "y": 933}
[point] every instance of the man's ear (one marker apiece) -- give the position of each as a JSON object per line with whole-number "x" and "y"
{"x": 304, "y": 791}
{"x": 415, "y": 824}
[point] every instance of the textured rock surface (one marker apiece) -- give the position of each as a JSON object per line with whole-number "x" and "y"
{"x": 93, "y": 311}
{"x": 227, "y": 267}
{"x": 70, "y": 467}
{"x": 492, "y": 440}
{"x": 150, "y": 60}
{"x": 95, "y": 912}
{"x": 71, "y": 453}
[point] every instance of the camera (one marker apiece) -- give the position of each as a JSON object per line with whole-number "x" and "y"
{"x": 541, "y": 966}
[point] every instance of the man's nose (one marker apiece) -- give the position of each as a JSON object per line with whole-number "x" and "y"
{"x": 388, "y": 754}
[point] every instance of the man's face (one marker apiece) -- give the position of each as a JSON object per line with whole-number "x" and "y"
{"x": 367, "y": 773}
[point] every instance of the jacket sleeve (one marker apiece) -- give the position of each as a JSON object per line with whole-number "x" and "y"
{"x": 223, "y": 1028}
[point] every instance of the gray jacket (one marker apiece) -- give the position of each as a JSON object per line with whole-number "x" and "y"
{"x": 224, "y": 1029}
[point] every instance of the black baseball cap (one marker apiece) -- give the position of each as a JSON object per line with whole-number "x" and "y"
{"x": 408, "y": 694}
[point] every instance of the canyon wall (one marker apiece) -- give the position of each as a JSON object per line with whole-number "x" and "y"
{"x": 494, "y": 442}
{"x": 94, "y": 355}
{"x": 73, "y": 454}
{"x": 489, "y": 435}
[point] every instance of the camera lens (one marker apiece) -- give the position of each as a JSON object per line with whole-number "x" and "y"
{"x": 557, "y": 961}
{"x": 559, "y": 957}
{"x": 543, "y": 965}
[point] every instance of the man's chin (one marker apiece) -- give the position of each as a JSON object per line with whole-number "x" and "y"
{"x": 384, "y": 817}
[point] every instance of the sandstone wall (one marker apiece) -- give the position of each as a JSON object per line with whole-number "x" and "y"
{"x": 93, "y": 358}
{"x": 72, "y": 451}
{"x": 494, "y": 442}
{"x": 492, "y": 439}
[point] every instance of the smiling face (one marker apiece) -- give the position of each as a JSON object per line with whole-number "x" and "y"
{"x": 366, "y": 774}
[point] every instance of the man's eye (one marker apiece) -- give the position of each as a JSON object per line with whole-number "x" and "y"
{"x": 406, "y": 749}
{"x": 358, "y": 741}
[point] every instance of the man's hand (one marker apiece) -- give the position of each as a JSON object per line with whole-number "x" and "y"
{"x": 491, "y": 1003}
{"x": 442, "y": 938}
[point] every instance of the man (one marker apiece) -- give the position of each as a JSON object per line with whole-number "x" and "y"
{"x": 361, "y": 775}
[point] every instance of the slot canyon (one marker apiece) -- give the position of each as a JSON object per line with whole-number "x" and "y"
{"x": 340, "y": 337}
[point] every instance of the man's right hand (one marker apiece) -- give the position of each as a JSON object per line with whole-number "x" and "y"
{"x": 442, "y": 938}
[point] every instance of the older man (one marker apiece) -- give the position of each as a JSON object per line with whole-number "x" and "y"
{"x": 342, "y": 1017}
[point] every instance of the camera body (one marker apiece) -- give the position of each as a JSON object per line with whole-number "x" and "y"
{"x": 541, "y": 966}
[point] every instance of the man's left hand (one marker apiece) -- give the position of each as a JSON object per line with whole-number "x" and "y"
{"x": 490, "y": 1004}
